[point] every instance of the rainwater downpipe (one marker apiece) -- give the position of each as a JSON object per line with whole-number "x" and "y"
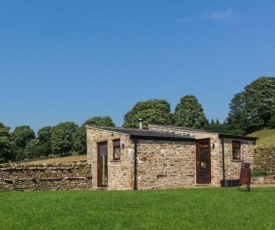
{"x": 135, "y": 165}
{"x": 135, "y": 160}
{"x": 223, "y": 165}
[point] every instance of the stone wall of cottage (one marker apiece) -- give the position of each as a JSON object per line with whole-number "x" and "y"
{"x": 232, "y": 167}
{"x": 160, "y": 164}
{"x": 165, "y": 164}
{"x": 33, "y": 177}
{"x": 120, "y": 172}
{"x": 215, "y": 149}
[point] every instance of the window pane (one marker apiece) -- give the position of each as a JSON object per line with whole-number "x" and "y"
{"x": 117, "y": 152}
{"x": 236, "y": 149}
{"x": 103, "y": 165}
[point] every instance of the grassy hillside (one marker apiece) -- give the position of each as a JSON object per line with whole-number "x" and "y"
{"x": 266, "y": 138}
{"x": 59, "y": 160}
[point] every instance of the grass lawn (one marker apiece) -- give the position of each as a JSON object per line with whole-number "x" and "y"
{"x": 204, "y": 208}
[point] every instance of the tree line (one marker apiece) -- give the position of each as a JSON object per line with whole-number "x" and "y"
{"x": 250, "y": 110}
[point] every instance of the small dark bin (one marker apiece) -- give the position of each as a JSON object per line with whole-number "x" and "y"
{"x": 245, "y": 176}
{"x": 230, "y": 183}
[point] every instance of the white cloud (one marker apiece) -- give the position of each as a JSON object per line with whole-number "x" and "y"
{"x": 220, "y": 15}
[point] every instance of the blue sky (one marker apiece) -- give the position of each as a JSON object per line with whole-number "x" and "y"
{"x": 66, "y": 60}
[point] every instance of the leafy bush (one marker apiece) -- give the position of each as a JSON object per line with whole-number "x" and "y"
{"x": 258, "y": 172}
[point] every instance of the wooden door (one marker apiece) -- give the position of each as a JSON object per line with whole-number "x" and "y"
{"x": 203, "y": 161}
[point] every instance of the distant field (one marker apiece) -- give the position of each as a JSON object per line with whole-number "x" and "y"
{"x": 208, "y": 208}
{"x": 266, "y": 138}
{"x": 59, "y": 160}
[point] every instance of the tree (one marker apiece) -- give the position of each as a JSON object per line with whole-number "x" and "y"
{"x": 21, "y": 136}
{"x": 211, "y": 125}
{"x": 41, "y": 146}
{"x": 189, "y": 113}
{"x": 151, "y": 111}
{"x": 5, "y": 144}
{"x": 254, "y": 108}
{"x": 216, "y": 126}
{"x": 100, "y": 121}
{"x": 271, "y": 122}
{"x": 32, "y": 149}
{"x": 80, "y": 141}
{"x": 62, "y": 138}
{"x": 44, "y": 136}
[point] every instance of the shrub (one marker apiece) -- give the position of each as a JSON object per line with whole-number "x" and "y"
{"x": 258, "y": 172}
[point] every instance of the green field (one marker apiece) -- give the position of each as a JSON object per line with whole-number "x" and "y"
{"x": 214, "y": 208}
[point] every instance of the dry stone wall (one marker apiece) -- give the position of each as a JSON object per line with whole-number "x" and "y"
{"x": 265, "y": 160}
{"x": 59, "y": 176}
{"x": 263, "y": 180}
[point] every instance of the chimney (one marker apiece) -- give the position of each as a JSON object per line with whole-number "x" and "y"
{"x": 140, "y": 123}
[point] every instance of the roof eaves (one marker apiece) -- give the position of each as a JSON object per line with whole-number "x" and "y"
{"x": 141, "y": 137}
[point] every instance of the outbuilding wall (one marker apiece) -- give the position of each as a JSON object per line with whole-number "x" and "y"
{"x": 232, "y": 167}
{"x": 165, "y": 164}
{"x": 161, "y": 164}
{"x": 120, "y": 172}
{"x": 215, "y": 148}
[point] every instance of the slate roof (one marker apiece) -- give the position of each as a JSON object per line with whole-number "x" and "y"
{"x": 221, "y": 135}
{"x": 147, "y": 134}
{"x": 226, "y": 135}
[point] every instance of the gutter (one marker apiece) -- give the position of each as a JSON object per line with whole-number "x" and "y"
{"x": 135, "y": 165}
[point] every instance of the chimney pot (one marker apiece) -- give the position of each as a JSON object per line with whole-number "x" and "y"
{"x": 140, "y": 123}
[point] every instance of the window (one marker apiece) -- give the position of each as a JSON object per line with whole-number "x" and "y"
{"x": 116, "y": 153}
{"x": 236, "y": 149}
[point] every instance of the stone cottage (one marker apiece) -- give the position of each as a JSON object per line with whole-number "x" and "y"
{"x": 165, "y": 157}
